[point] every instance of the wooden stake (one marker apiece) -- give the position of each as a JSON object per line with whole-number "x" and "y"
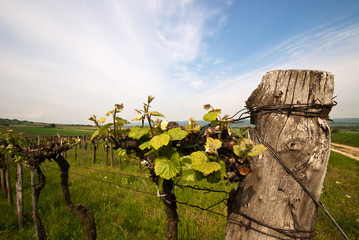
{"x": 35, "y": 213}
{"x": 269, "y": 203}
{"x": 2, "y": 174}
{"x": 8, "y": 183}
{"x": 19, "y": 196}
{"x": 111, "y": 155}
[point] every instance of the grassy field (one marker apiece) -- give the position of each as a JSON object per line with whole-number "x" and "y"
{"x": 54, "y": 131}
{"x": 347, "y": 138}
{"x": 125, "y": 214}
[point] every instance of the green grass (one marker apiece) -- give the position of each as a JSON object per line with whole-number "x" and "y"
{"x": 341, "y": 197}
{"x": 120, "y": 213}
{"x": 54, "y": 131}
{"x": 347, "y": 138}
{"x": 124, "y": 214}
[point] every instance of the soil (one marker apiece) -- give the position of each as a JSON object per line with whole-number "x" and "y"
{"x": 349, "y": 151}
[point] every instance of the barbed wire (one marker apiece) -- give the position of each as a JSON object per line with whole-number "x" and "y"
{"x": 101, "y": 180}
{"x": 208, "y": 209}
{"x": 317, "y": 203}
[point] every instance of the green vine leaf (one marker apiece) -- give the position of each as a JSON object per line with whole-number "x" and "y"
{"x": 240, "y": 149}
{"x": 97, "y": 132}
{"x": 212, "y": 115}
{"x": 138, "y": 118}
{"x": 104, "y": 128}
{"x": 167, "y": 168}
{"x": 200, "y": 162}
{"x": 257, "y": 150}
{"x": 177, "y": 134}
{"x": 101, "y": 120}
{"x": 121, "y": 121}
{"x": 163, "y": 125}
{"x": 144, "y": 145}
{"x": 110, "y": 112}
{"x": 156, "y": 114}
{"x": 121, "y": 152}
{"x": 160, "y": 140}
{"x": 212, "y": 145}
{"x": 214, "y": 177}
{"x": 138, "y": 132}
{"x": 190, "y": 174}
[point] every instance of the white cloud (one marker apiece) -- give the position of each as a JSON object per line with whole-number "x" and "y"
{"x": 332, "y": 49}
{"x": 86, "y": 56}
{"x": 218, "y": 61}
{"x": 61, "y": 62}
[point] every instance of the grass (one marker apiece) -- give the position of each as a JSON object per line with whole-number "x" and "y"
{"x": 124, "y": 214}
{"x": 120, "y": 213}
{"x": 340, "y": 195}
{"x": 347, "y": 138}
{"x": 54, "y": 131}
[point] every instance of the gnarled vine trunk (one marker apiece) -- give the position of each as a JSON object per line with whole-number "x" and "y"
{"x": 35, "y": 193}
{"x": 80, "y": 211}
{"x": 170, "y": 209}
{"x": 289, "y": 110}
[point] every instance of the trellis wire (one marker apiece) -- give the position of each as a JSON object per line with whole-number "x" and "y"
{"x": 100, "y": 180}
{"x": 317, "y": 203}
{"x": 119, "y": 173}
{"x": 289, "y": 109}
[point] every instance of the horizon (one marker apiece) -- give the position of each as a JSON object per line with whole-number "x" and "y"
{"x": 333, "y": 120}
{"x": 63, "y": 62}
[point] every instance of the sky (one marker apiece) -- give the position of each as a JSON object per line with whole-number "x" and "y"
{"x": 63, "y": 60}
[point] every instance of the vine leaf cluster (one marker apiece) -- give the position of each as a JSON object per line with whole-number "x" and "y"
{"x": 191, "y": 153}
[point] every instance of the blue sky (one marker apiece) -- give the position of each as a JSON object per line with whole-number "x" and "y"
{"x": 62, "y": 60}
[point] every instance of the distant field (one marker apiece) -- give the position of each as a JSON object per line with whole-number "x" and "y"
{"x": 54, "y": 131}
{"x": 347, "y": 138}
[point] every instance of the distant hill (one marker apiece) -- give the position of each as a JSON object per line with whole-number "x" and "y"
{"x": 5, "y": 122}
{"x": 345, "y": 120}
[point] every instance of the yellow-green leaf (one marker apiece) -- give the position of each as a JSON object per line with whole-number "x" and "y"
{"x": 240, "y": 149}
{"x": 160, "y": 140}
{"x": 177, "y": 134}
{"x": 211, "y": 116}
{"x": 212, "y": 145}
{"x": 101, "y": 120}
{"x": 138, "y": 132}
{"x": 190, "y": 174}
{"x": 164, "y": 125}
{"x": 138, "y": 118}
{"x": 97, "y": 132}
{"x": 257, "y": 150}
{"x": 156, "y": 114}
{"x": 167, "y": 168}
{"x": 144, "y": 145}
{"x": 110, "y": 112}
{"x": 104, "y": 128}
{"x": 200, "y": 162}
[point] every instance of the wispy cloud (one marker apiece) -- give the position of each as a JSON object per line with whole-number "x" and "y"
{"x": 103, "y": 52}
{"x": 62, "y": 62}
{"x": 333, "y": 49}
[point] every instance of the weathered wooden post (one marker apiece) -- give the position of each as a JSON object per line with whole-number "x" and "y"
{"x": 2, "y": 174}
{"x": 94, "y": 151}
{"x": 106, "y": 150}
{"x": 290, "y": 110}
{"x": 34, "y": 201}
{"x": 111, "y": 155}
{"x": 84, "y": 152}
{"x": 19, "y": 196}
{"x": 7, "y": 181}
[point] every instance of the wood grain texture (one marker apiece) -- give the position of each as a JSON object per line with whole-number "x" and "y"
{"x": 269, "y": 194}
